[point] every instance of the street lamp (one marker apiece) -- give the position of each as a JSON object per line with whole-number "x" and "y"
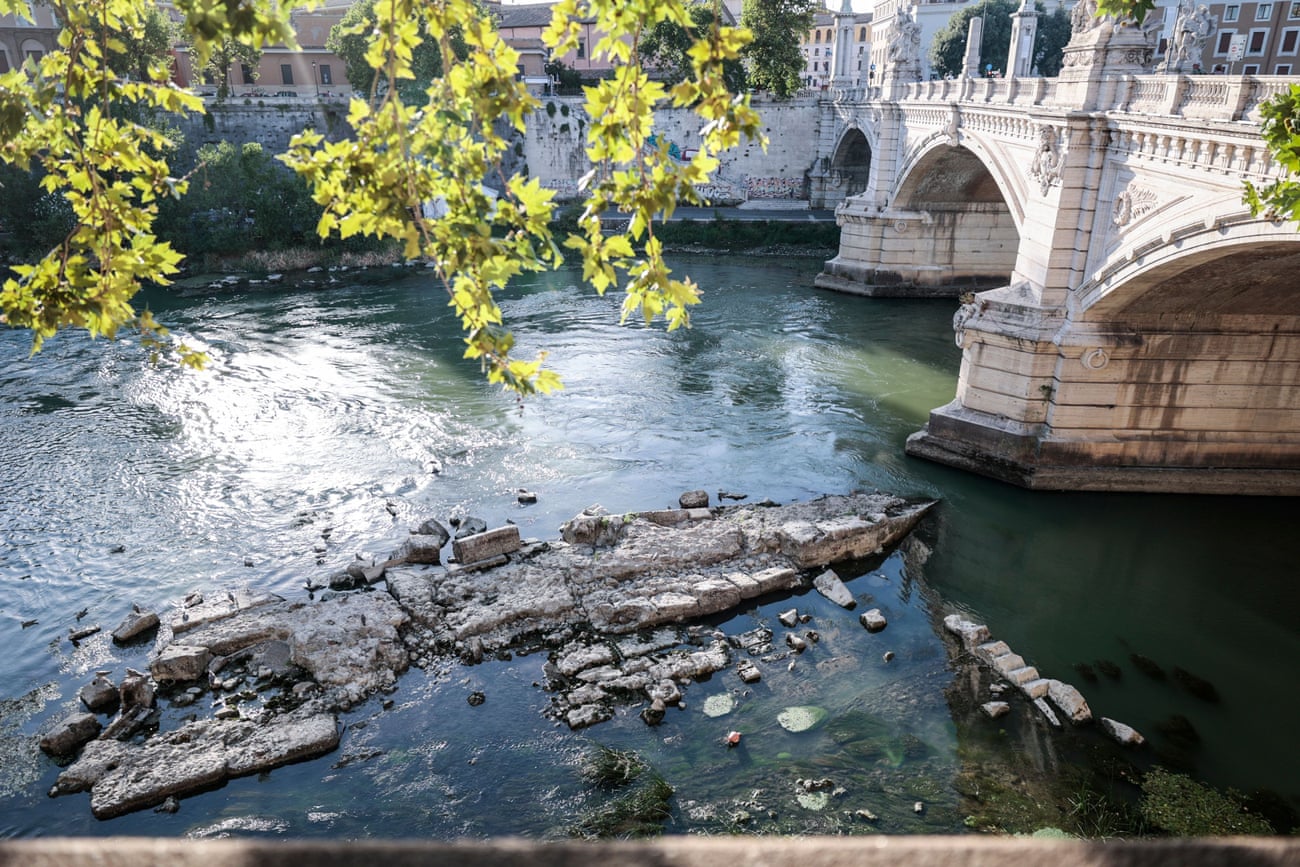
{"x": 315, "y": 79}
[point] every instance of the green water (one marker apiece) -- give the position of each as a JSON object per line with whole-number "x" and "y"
{"x": 334, "y": 403}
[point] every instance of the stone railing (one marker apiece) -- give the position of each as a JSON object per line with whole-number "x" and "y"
{"x": 1195, "y": 97}
{"x": 986, "y": 91}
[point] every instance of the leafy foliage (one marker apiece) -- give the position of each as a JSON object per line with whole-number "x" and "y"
{"x": 447, "y": 149}
{"x": 65, "y": 115}
{"x": 240, "y": 199}
{"x": 350, "y": 40}
{"x": 1281, "y": 198}
{"x": 948, "y": 51}
{"x": 773, "y": 58}
{"x": 666, "y": 48}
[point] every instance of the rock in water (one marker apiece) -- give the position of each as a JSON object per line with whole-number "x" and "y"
{"x": 71, "y": 732}
{"x": 694, "y": 500}
{"x": 136, "y": 624}
{"x": 873, "y": 620}
{"x": 829, "y": 585}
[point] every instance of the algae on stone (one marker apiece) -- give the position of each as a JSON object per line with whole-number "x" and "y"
{"x": 801, "y": 718}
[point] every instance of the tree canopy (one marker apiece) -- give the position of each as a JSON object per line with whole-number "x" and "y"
{"x": 948, "y": 51}
{"x": 65, "y": 113}
{"x": 774, "y": 60}
{"x": 350, "y": 40}
{"x": 666, "y": 48}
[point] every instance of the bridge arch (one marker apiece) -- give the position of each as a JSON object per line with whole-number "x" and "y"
{"x": 968, "y": 233}
{"x": 1234, "y": 266}
{"x": 851, "y": 162}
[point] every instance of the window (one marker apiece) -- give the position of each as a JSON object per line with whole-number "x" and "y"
{"x": 4, "y": 61}
{"x": 582, "y": 48}
{"x": 1294, "y": 14}
{"x": 1250, "y": 69}
{"x": 1231, "y": 12}
{"x": 1290, "y": 38}
{"x": 286, "y": 73}
{"x": 246, "y": 73}
{"x": 1225, "y": 40}
{"x": 862, "y": 31}
{"x": 817, "y": 37}
{"x": 326, "y": 77}
{"x": 1258, "y": 39}
{"x": 1263, "y": 11}
{"x": 1282, "y": 69}
{"x": 34, "y": 55}
{"x": 817, "y": 52}
{"x": 1164, "y": 45}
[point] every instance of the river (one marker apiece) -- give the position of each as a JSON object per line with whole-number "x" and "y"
{"x": 325, "y": 411}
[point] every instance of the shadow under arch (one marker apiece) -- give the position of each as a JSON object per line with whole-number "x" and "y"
{"x": 851, "y": 163}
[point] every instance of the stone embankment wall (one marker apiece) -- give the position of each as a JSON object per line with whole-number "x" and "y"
{"x": 554, "y": 149}
{"x": 270, "y": 121}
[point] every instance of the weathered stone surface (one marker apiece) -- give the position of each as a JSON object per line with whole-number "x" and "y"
{"x": 995, "y": 709}
{"x": 1046, "y": 710}
{"x": 486, "y": 545}
{"x": 1035, "y": 688}
{"x": 971, "y": 634}
{"x": 873, "y": 620}
{"x": 748, "y": 672}
{"x": 694, "y": 500}
{"x": 829, "y": 585}
{"x": 422, "y": 548}
{"x": 1008, "y": 662}
{"x": 70, "y": 733}
{"x": 135, "y": 624}
{"x": 100, "y": 695}
{"x": 180, "y": 662}
{"x": 1126, "y": 735}
{"x": 672, "y": 569}
{"x": 270, "y": 747}
{"x": 435, "y": 529}
{"x": 203, "y": 612}
{"x": 789, "y": 618}
{"x": 1069, "y": 700}
{"x": 1024, "y": 674}
{"x": 126, "y": 777}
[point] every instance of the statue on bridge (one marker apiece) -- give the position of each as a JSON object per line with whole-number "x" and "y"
{"x": 1192, "y": 30}
{"x": 905, "y": 45}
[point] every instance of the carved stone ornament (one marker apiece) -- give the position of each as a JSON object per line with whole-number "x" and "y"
{"x": 953, "y": 127}
{"x": 1046, "y": 164}
{"x": 1083, "y": 17}
{"x": 1133, "y": 203}
{"x": 1094, "y": 359}
{"x": 965, "y": 313}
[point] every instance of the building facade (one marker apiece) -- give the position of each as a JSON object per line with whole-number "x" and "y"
{"x": 818, "y": 47}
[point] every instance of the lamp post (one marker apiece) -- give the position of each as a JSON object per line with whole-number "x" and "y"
{"x": 315, "y": 79}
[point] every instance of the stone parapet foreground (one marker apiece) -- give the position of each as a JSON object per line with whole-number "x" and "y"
{"x": 876, "y": 851}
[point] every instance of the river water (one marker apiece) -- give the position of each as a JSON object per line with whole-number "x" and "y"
{"x": 332, "y": 407}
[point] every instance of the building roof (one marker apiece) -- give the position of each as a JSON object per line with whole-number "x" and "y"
{"x": 525, "y": 15}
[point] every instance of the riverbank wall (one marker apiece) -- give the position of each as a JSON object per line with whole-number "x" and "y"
{"x": 553, "y": 149}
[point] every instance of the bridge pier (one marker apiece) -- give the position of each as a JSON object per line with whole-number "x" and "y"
{"x": 1188, "y": 402}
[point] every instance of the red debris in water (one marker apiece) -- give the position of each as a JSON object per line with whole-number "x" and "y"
{"x": 733, "y": 738}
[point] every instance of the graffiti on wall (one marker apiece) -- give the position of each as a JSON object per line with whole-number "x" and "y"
{"x": 774, "y": 188}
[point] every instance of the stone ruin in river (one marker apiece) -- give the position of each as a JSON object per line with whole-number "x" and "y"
{"x": 601, "y": 599}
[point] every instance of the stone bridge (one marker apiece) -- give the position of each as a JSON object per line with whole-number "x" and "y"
{"x": 1126, "y": 324}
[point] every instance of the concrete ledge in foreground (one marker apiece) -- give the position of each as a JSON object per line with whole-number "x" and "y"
{"x": 876, "y": 851}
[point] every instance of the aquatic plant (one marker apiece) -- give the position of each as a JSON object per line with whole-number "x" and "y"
{"x": 640, "y": 812}
{"x": 1183, "y": 807}
{"x": 611, "y": 768}
{"x": 719, "y": 705}
{"x": 801, "y": 718}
